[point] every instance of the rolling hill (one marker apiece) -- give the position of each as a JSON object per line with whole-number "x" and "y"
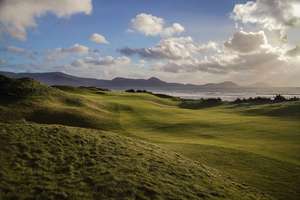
{"x": 86, "y": 143}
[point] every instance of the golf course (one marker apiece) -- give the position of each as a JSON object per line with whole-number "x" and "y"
{"x": 64, "y": 142}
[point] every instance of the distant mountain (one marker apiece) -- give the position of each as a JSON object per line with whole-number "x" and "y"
{"x": 151, "y": 82}
{"x": 226, "y": 84}
{"x": 59, "y": 78}
{"x": 56, "y": 78}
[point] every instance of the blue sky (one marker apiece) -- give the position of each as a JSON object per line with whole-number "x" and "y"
{"x": 207, "y": 25}
{"x": 202, "y": 20}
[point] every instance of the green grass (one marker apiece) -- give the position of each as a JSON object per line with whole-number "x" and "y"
{"x": 256, "y": 145}
{"x": 56, "y": 162}
{"x": 259, "y": 150}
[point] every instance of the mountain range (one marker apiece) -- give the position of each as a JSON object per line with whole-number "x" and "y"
{"x": 59, "y": 78}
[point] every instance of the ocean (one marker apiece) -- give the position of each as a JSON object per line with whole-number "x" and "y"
{"x": 233, "y": 93}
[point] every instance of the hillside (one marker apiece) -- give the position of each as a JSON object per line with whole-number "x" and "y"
{"x": 56, "y": 162}
{"x": 249, "y": 151}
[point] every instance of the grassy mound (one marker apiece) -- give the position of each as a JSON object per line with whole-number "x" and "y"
{"x": 55, "y": 162}
{"x": 26, "y": 99}
{"x": 15, "y": 89}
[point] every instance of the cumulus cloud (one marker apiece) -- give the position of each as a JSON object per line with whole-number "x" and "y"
{"x": 16, "y": 16}
{"x": 270, "y": 14}
{"x": 175, "y": 29}
{"x": 244, "y": 51}
{"x": 225, "y": 63}
{"x": 152, "y": 26}
{"x": 173, "y": 48}
{"x": 246, "y": 42}
{"x": 98, "y": 38}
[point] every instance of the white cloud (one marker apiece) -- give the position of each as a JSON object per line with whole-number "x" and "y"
{"x": 224, "y": 63}
{"x": 152, "y": 26}
{"x": 76, "y": 48}
{"x": 147, "y": 24}
{"x": 244, "y": 51}
{"x": 209, "y": 46}
{"x": 173, "y": 48}
{"x": 98, "y": 38}
{"x": 175, "y": 29}
{"x": 246, "y": 42}
{"x": 247, "y": 52}
{"x": 16, "y": 16}
{"x": 270, "y": 14}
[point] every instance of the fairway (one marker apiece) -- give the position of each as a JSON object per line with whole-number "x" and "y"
{"x": 257, "y": 149}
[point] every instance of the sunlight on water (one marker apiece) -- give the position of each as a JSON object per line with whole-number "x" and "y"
{"x": 233, "y": 94}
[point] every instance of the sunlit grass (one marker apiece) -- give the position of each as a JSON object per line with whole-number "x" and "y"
{"x": 258, "y": 145}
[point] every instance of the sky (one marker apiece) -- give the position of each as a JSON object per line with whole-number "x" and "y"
{"x": 186, "y": 41}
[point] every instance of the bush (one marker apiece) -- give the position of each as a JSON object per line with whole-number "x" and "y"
{"x": 294, "y": 99}
{"x": 278, "y": 98}
{"x": 264, "y": 100}
{"x": 255, "y": 100}
{"x": 130, "y": 91}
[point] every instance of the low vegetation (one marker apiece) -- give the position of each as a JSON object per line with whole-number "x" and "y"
{"x": 154, "y": 94}
{"x": 85, "y": 143}
{"x": 264, "y": 100}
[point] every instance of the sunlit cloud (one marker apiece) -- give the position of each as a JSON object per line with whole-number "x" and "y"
{"x": 98, "y": 38}
{"x": 16, "y": 16}
{"x": 151, "y": 25}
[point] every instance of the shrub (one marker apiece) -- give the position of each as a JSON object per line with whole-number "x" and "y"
{"x": 264, "y": 100}
{"x": 279, "y": 98}
{"x": 130, "y": 91}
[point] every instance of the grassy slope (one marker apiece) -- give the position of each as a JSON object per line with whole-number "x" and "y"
{"x": 257, "y": 145}
{"x": 56, "y": 162}
{"x": 260, "y": 150}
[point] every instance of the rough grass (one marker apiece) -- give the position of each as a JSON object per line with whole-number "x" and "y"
{"x": 56, "y": 162}
{"x": 257, "y": 145}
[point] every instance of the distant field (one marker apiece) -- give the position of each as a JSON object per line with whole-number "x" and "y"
{"x": 256, "y": 145}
